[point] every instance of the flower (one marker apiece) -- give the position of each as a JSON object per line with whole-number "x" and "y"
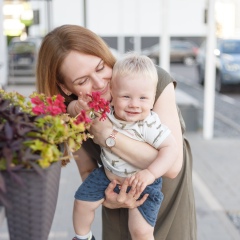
{"x": 33, "y": 130}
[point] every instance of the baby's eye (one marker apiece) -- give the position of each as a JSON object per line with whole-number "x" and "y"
{"x": 125, "y": 96}
{"x": 142, "y": 97}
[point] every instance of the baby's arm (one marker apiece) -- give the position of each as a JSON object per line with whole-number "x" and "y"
{"x": 165, "y": 159}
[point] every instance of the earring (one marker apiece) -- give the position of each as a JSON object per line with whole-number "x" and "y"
{"x": 68, "y": 93}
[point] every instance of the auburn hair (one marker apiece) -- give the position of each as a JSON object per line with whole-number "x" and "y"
{"x": 56, "y": 45}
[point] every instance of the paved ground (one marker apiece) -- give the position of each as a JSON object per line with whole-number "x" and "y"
{"x": 216, "y": 184}
{"x": 217, "y": 192}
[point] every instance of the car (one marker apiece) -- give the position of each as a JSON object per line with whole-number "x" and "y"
{"x": 227, "y": 62}
{"x": 22, "y": 56}
{"x": 180, "y": 51}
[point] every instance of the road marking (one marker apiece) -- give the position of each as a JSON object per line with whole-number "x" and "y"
{"x": 227, "y": 120}
{"x": 215, "y": 206}
{"x": 228, "y": 99}
{"x": 217, "y": 114}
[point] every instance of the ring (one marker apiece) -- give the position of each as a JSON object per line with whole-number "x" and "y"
{"x": 92, "y": 115}
{"x": 136, "y": 198}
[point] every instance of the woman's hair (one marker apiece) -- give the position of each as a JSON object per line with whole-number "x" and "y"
{"x": 134, "y": 64}
{"x": 55, "y": 47}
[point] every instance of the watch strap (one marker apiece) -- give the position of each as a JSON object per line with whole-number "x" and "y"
{"x": 113, "y": 134}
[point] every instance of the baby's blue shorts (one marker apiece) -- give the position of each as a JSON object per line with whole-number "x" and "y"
{"x": 93, "y": 189}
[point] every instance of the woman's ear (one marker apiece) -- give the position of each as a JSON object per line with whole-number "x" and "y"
{"x": 64, "y": 89}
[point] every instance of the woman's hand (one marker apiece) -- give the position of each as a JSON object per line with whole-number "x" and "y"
{"x": 123, "y": 199}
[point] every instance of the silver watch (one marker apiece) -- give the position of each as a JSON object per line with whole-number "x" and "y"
{"x": 111, "y": 140}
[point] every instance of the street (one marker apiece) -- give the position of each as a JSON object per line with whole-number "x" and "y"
{"x": 227, "y": 105}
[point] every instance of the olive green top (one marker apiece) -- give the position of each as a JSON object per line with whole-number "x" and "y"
{"x": 177, "y": 217}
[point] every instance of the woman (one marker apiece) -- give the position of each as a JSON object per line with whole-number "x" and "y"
{"x": 74, "y": 61}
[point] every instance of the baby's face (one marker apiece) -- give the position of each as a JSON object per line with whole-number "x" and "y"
{"x": 132, "y": 97}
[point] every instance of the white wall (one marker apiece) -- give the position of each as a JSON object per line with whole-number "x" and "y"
{"x": 132, "y": 17}
{"x": 40, "y": 29}
{"x": 67, "y": 12}
{"x": 127, "y": 17}
{"x": 187, "y": 18}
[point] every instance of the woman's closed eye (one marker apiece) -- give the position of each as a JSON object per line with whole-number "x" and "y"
{"x": 82, "y": 81}
{"x": 101, "y": 66}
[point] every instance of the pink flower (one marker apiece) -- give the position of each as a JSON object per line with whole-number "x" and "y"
{"x": 36, "y": 100}
{"x": 99, "y": 104}
{"x": 53, "y": 106}
{"x": 39, "y": 109}
{"x": 53, "y": 110}
{"x": 83, "y": 118}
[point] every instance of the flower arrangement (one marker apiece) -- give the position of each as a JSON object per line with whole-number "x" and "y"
{"x": 32, "y": 131}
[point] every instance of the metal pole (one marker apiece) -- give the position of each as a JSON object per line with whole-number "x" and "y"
{"x": 3, "y": 51}
{"x": 165, "y": 38}
{"x": 210, "y": 74}
{"x": 85, "y": 13}
{"x": 49, "y": 11}
{"x": 137, "y": 37}
{"x": 121, "y": 38}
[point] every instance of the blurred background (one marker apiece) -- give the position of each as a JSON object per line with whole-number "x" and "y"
{"x": 125, "y": 25}
{"x": 197, "y": 41}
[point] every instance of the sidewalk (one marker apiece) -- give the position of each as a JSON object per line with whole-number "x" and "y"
{"x": 217, "y": 192}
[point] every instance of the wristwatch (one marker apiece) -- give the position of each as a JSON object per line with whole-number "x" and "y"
{"x": 111, "y": 140}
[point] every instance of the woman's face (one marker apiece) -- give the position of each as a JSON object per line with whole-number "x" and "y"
{"x": 85, "y": 74}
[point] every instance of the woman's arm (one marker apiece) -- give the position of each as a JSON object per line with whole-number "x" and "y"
{"x": 166, "y": 108}
{"x": 126, "y": 148}
{"x": 141, "y": 154}
{"x": 102, "y": 129}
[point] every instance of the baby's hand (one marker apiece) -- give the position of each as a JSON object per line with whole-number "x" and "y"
{"x": 76, "y": 106}
{"x": 141, "y": 179}
{"x": 81, "y": 103}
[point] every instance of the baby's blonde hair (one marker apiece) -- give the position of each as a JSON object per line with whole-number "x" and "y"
{"x": 134, "y": 64}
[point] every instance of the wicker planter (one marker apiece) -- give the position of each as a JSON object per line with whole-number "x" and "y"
{"x": 32, "y": 205}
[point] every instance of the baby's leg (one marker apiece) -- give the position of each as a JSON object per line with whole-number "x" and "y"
{"x": 139, "y": 228}
{"x": 83, "y": 215}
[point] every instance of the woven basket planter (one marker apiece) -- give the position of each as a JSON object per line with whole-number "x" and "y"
{"x": 33, "y": 204}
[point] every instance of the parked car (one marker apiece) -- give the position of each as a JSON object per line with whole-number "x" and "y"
{"x": 22, "y": 56}
{"x": 180, "y": 51}
{"x": 227, "y": 56}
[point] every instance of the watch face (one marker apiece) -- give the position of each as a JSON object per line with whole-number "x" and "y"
{"x": 110, "y": 142}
